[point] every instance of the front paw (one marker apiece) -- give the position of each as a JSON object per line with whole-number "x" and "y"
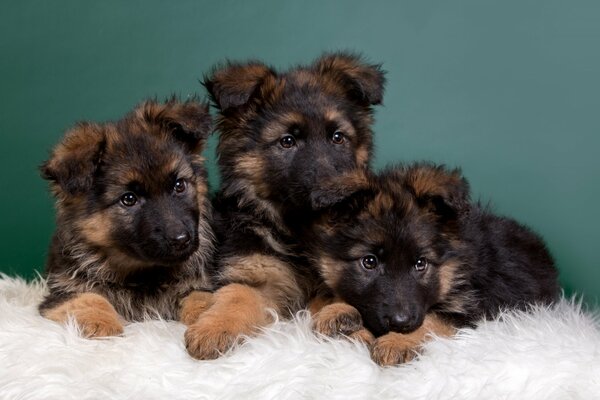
{"x": 99, "y": 324}
{"x": 194, "y": 305}
{"x": 94, "y": 315}
{"x": 211, "y": 336}
{"x": 337, "y": 319}
{"x": 363, "y": 335}
{"x": 393, "y": 349}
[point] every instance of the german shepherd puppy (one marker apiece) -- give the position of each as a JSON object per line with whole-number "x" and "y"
{"x": 281, "y": 135}
{"x": 133, "y": 237}
{"x": 414, "y": 256}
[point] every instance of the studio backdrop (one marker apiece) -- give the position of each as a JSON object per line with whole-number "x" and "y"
{"x": 506, "y": 90}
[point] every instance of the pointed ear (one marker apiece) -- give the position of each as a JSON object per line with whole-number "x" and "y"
{"x": 75, "y": 160}
{"x": 338, "y": 189}
{"x": 188, "y": 122}
{"x": 364, "y": 82}
{"x": 346, "y": 210}
{"x": 435, "y": 188}
{"x": 235, "y": 84}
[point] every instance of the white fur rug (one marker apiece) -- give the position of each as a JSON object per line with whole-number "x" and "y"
{"x": 547, "y": 354}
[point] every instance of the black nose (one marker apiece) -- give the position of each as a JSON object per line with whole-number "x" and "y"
{"x": 401, "y": 322}
{"x": 180, "y": 240}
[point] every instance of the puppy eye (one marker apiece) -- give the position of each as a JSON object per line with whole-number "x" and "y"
{"x": 369, "y": 261}
{"x": 421, "y": 264}
{"x": 129, "y": 199}
{"x": 338, "y": 137}
{"x": 180, "y": 185}
{"x": 287, "y": 141}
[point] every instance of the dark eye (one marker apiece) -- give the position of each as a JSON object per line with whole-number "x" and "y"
{"x": 421, "y": 264}
{"x": 369, "y": 261}
{"x": 129, "y": 199}
{"x": 180, "y": 185}
{"x": 338, "y": 137}
{"x": 287, "y": 141}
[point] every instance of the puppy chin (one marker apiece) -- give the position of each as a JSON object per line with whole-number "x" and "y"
{"x": 168, "y": 256}
{"x": 178, "y": 256}
{"x": 377, "y": 329}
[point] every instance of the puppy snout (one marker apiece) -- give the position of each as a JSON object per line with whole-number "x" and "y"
{"x": 402, "y": 322}
{"x": 180, "y": 240}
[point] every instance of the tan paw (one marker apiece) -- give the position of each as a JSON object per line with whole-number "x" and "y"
{"x": 363, "y": 335}
{"x": 93, "y": 313}
{"x": 237, "y": 310}
{"x": 99, "y": 324}
{"x": 337, "y": 319}
{"x": 211, "y": 336}
{"x": 194, "y": 305}
{"x": 392, "y": 349}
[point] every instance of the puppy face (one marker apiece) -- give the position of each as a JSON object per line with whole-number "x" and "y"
{"x": 282, "y": 134}
{"x": 391, "y": 251}
{"x": 134, "y": 190}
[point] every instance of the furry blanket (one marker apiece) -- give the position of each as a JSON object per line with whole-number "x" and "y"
{"x": 550, "y": 353}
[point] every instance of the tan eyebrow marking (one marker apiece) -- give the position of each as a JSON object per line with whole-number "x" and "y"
{"x": 276, "y": 128}
{"x": 335, "y": 116}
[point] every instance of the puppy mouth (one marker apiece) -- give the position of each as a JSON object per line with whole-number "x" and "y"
{"x": 304, "y": 197}
{"x": 179, "y": 254}
{"x": 168, "y": 255}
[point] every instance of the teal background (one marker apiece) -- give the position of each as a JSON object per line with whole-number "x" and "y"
{"x": 508, "y": 90}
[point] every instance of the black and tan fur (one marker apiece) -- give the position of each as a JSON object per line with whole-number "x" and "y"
{"x": 133, "y": 234}
{"x": 281, "y": 135}
{"x": 414, "y": 255}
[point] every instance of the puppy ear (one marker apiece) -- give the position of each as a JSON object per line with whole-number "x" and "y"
{"x": 235, "y": 84}
{"x": 75, "y": 160}
{"x": 438, "y": 189}
{"x": 364, "y": 82}
{"x": 345, "y": 210}
{"x": 336, "y": 190}
{"x": 187, "y": 122}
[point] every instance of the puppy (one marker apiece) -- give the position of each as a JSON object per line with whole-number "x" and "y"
{"x": 281, "y": 135}
{"x": 132, "y": 237}
{"x": 412, "y": 255}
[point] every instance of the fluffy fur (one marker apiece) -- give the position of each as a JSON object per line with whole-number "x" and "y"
{"x": 548, "y": 353}
{"x": 281, "y": 135}
{"x": 132, "y": 228}
{"x": 414, "y": 255}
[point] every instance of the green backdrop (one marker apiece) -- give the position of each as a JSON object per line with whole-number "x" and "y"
{"x": 508, "y": 90}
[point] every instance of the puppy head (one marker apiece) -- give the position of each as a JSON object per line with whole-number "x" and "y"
{"x": 283, "y": 133}
{"x": 392, "y": 250}
{"x": 134, "y": 189}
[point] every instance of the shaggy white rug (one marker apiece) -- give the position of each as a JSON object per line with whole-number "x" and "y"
{"x": 547, "y": 354}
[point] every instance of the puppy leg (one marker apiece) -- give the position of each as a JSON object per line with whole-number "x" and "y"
{"x": 241, "y": 308}
{"x": 396, "y": 348}
{"x": 336, "y": 319}
{"x": 94, "y": 314}
{"x": 193, "y": 305}
{"x": 332, "y": 317}
{"x": 236, "y": 310}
